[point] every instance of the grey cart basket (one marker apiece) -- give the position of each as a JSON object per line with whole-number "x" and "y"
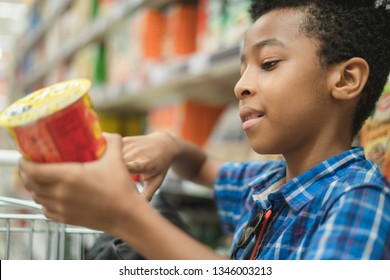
{"x": 26, "y": 234}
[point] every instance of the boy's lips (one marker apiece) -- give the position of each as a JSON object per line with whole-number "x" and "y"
{"x": 250, "y": 116}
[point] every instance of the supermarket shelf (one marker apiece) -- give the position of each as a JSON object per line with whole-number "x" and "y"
{"x": 95, "y": 32}
{"x": 208, "y": 78}
{"x": 32, "y": 39}
{"x": 194, "y": 78}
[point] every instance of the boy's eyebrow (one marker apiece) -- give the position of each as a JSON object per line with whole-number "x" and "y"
{"x": 261, "y": 44}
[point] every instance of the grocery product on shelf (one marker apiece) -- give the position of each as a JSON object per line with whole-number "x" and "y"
{"x": 376, "y": 141}
{"x": 124, "y": 125}
{"x": 221, "y": 23}
{"x": 155, "y": 28}
{"x": 236, "y": 22}
{"x": 191, "y": 120}
{"x": 181, "y": 31}
{"x": 124, "y": 53}
{"x": 375, "y": 134}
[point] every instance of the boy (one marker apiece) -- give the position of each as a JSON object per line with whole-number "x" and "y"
{"x": 311, "y": 73}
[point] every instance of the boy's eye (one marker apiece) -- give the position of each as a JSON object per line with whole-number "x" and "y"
{"x": 268, "y": 65}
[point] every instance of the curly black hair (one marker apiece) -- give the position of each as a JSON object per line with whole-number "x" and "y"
{"x": 345, "y": 29}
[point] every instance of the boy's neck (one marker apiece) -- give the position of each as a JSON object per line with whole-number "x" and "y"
{"x": 303, "y": 160}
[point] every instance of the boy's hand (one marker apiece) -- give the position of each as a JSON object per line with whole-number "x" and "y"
{"x": 150, "y": 156}
{"x": 84, "y": 194}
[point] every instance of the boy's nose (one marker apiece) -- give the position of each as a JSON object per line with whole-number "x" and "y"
{"x": 243, "y": 88}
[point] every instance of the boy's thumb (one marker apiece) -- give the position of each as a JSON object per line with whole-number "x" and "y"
{"x": 113, "y": 145}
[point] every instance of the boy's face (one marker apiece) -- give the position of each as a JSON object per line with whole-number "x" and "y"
{"x": 283, "y": 94}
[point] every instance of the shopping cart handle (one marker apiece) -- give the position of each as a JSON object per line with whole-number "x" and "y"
{"x": 19, "y": 202}
{"x": 9, "y": 157}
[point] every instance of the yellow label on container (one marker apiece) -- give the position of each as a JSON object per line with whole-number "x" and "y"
{"x": 44, "y": 102}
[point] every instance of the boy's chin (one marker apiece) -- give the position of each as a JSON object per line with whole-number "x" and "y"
{"x": 265, "y": 150}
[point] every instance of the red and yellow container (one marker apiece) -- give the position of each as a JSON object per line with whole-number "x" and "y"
{"x": 56, "y": 124}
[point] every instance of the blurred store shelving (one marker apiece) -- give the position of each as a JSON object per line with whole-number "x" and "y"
{"x": 154, "y": 64}
{"x": 12, "y": 25}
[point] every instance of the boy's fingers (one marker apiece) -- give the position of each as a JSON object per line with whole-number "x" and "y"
{"x": 137, "y": 167}
{"x": 114, "y": 144}
{"x": 48, "y": 172}
{"x": 41, "y": 172}
{"x": 148, "y": 193}
{"x": 151, "y": 186}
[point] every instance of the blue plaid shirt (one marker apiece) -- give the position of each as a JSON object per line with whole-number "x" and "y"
{"x": 340, "y": 209}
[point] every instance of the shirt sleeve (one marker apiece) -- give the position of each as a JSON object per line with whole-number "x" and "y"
{"x": 357, "y": 226}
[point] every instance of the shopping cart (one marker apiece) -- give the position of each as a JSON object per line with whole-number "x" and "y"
{"x": 25, "y": 233}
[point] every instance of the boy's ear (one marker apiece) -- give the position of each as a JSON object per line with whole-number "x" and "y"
{"x": 349, "y": 78}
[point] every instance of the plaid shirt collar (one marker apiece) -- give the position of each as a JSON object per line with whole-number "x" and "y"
{"x": 303, "y": 188}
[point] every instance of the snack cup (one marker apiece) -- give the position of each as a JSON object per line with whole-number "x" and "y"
{"x": 56, "y": 124}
